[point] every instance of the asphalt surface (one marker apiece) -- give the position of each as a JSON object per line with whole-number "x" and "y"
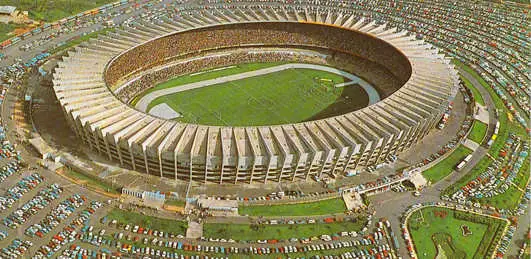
{"x": 12, "y": 53}
{"x": 524, "y": 221}
{"x": 392, "y": 205}
{"x": 388, "y": 205}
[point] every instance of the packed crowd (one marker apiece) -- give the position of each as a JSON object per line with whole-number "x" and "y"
{"x": 165, "y": 73}
{"x": 491, "y": 37}
{"x": 156, "y": 52}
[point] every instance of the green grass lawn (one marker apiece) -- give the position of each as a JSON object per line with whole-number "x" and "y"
{"x": 288, "y": 96}
{"x": 279, "y": 232}
{"x": 480, "y": 167}
{"x": 179, "y": 203}
{"x": 477, "y": 96}
{"x": 506, "y": 126}
{"x": 510, "y": 199}
{"x": 49, "y": 11}
{"x": 133, "y": 218}
{"x": 514, "y": 126}
{"x": 5, "y": 29}
{"x": 424, "y": 226}
{"x": 479, "y": 129}
{"x": 303, "y": 209}
{"x": 206, "y": 75}
{"x": 447, "y": 165}
{"x": 446, "y": 246}
{"x": 523, "y": 175}
{"x": 91, "y": 181}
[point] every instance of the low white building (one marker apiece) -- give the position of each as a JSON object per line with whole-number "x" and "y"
{"x": 230, "y": 206}
{"x": 418, "y": 181}
{"x": 7, "y": 13}
{"x": 11, "y": 14}
{"x": 7, "y": 10}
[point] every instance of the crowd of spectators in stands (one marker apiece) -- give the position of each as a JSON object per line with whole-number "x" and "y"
{"x": 158, "y": 52}
{"x": 151, "y": 78}
{"x": 492, "y": 38}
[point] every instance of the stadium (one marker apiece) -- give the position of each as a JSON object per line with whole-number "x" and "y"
{"x": 107, "y": 89}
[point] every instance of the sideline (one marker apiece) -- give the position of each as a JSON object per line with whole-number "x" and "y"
{"x": 143, "y": 103}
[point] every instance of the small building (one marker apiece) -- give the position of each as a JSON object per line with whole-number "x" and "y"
{"x": 7, "y": 10}
{"x": 418, "y": 181}
{"x": 218, "y": 206}
{"x": 42, "y": 147}
{"x": 153, "y": 200}
{"x": 11, "y": 14}
{"x": 353, "y": 201}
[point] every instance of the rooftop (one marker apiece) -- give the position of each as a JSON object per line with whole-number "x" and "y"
{"x": 7, "y": 9}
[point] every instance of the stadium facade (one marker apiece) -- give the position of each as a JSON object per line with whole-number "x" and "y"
{"x": 95, "y": 82}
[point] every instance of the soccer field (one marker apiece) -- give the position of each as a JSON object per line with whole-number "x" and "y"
{"x": 287, "y": 96}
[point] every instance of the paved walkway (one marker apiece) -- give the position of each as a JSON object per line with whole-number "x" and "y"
{"x": 148, "y": 98}
{"x": 391, "y": 205}
{"x": 482, "y": 114}
{"x": 471, "y": 144}
{"x": 194, "y": 230}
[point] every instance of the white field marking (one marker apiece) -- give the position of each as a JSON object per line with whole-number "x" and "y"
{"x": 143, "y": 103}
{"x": 212, "y": 70}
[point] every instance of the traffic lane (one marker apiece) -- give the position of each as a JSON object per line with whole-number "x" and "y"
{"x": 28, "y": 55}
{"x": 68, "y": 191}
{"x": 19, "y": 231}
{"x": 14, "y": 52}
{"x": 113, "y": 231}
{"x": 40, "y": 241}
{"x": 489, "y": 103}
{"x": 11, "y": 180}
{"x": 520, "y": 235}
{"x": 391, "y": 205}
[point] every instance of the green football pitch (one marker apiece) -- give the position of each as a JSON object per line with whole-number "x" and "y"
{"x": 287, "y": 96}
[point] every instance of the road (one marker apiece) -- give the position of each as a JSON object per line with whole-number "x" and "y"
{"x": 14, "y": 52}
{"x": 30, "y": 158}
{"x": 391, "y": 205}
{"x": 387, "y": 205}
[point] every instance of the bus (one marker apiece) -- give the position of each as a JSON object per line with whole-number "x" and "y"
{"x": 463, "y": 162}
